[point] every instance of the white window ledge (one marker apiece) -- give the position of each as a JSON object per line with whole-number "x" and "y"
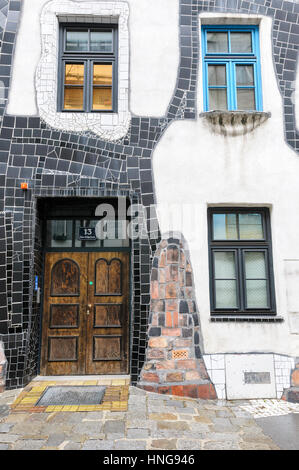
{"x": 109, "y": 126}
{"x": 234, "y": 123}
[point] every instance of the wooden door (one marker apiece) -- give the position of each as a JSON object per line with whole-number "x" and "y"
{"x": 86, "y": 311}
{"x": 107, "y": 323}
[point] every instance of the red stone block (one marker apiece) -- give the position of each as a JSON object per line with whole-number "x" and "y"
{"x": 168, "y": 320}
{"x": 172, "y": 255}
{"x": 295, "y": 378}
{"x": 207, "y": 391}
{"x": 158, "y": 342}
{"x": 155, "y": 290}
{"x": 164, "y": 390}
{"x": 171, "y": 291}
{"x": 175, "y": 319}
{"x": 171, "y": 331}
{"x": 191, "y": 391}
{"x": 162, "y": 262}
{"x": 171, "y": 305}
{"x": 174, "y": 377}
{"x": 172, "y": 273}
{"x": 177, "y": 390}
{"x": 165, "y": 365}
{"x": 186, "y": 364}
{"x": 156, "y": 354}
{"x": 150, "y": 377}
{"x": 149, "y": 388}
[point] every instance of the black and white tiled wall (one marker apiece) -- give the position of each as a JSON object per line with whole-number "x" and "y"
{"x": 65, "y": 164}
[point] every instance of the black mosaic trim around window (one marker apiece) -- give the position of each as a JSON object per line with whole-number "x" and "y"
{"x": 58, "y": 163}
{"x": 249, "y": 319}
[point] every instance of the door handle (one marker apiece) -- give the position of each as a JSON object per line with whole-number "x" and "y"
{"x": 88, "y": 309}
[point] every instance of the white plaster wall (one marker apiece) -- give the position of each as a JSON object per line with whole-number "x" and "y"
{"x": 194, "y": 167}
{"x": 154, "y": 56}
{"x": 237, "y": 365}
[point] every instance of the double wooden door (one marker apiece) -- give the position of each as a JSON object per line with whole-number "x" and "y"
{"x": 86, "y": 314}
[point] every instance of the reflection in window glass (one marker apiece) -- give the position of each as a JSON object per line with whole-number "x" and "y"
{"x": 73, "y": 98}
{"x": 245, "y": 99}
{"x": 244, "y": 75}
{"x": 59, "y": 233}
{"x": 256, "y": 280}
{"x": 251, "y": 227}
{"x": 225, "y": 227}
{"x": 217, "y": 75}
{"x": 101, "y": 41}
{"x": 240, "y": 42}
{"x": 217, "y": 42}
{"x": 225, "y": 279}
{"x": 217, "y": 99}
{"x": 76, "y": 41}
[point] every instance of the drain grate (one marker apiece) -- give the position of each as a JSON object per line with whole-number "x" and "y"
{"x": 72, "y": 395}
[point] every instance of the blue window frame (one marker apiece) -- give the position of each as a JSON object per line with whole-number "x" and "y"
{"x": 231, "y": 68}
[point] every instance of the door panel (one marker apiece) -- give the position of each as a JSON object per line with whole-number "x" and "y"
{"x": 107, "y": 324}
{"x": 86, "y": 313}
{"x": 64, "y": 315}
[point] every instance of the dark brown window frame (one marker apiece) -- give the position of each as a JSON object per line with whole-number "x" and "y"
{"x": 88, "y": 58}
{"x": 240, "y": 247}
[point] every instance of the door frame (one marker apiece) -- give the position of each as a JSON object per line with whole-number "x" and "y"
{"x": 45, "y": 250}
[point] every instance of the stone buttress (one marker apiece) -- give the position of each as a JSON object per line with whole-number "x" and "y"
{"x": 174, "y": 363}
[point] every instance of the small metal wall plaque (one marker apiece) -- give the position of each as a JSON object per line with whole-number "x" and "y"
{"x": 87, "y": 233}
{"x": 257, "y": 377}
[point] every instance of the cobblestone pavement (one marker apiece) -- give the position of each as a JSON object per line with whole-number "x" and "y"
{"x": 152, "y": 422}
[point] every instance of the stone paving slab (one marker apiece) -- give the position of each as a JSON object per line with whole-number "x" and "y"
{"x": 150, "y": 422}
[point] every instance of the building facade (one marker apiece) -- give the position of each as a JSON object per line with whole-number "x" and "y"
{"x": 149, "y": 201}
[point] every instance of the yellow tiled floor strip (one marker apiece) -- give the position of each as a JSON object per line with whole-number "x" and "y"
{"x": 115, "y": 398}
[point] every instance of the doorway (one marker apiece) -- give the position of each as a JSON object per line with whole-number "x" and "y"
{"x": 86, "y": 298}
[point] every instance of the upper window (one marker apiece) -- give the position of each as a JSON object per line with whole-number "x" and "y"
{"x": 231, "y": 68}
{"x": 88, "y": 68}
{"x": 241, "y": 272}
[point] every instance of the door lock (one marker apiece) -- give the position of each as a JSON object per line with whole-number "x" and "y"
{"x": 88, "y": 309}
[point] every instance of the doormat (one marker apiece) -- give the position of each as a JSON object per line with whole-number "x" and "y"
{"x": 115, "y": 397}
{"x": 72, "y": 395}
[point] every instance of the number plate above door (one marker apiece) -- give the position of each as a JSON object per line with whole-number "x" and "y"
{"x": 87, "y": 233}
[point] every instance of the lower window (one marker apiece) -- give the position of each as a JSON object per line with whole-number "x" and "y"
{"x": 241, "y": 271}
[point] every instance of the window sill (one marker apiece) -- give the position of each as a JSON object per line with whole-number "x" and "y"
{"x": 234, "y": 123}
{"x": 247, "y": 318}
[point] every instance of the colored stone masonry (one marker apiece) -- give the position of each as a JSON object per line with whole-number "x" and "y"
{"x": 174, "y": 363}
{"x": 3, "y": 367}
{"x": 292, "y": 393}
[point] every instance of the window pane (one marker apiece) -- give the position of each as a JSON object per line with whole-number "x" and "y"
{"x": 217, "y": 99}
{"x": 256, "y": 291}
{"x": 217, "y": 42}
{"x": 244, "y": 75}
{"x": 240, "y": 42}
{"x": 101, "y": 41}
{"x": 76, "y": 41}
{"x": 251, "y": 227}
{"x": 73, "y": 98}
{"x": 255, "y": 265}
{"x": 217, "y": 75}
{"x": 225, "y": 227}
{"x": 102, "y": 74}
{"x": 102, "y": 98}
{"x": 245, "y": 99}
{"x": 59, "y": 233}
{"x": 226, "y": 294}
{"x": 225, "y": 267}
{"x": 74, "y": 74}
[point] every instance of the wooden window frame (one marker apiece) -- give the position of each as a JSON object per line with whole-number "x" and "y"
{"x": 88, "y": 58}
{"x": 240, "y": 247}
{"x": 231, "y": 60}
